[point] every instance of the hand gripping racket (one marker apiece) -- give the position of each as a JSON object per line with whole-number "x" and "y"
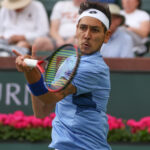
{"x": 60, "y": 67}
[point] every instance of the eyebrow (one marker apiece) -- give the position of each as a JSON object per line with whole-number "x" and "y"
{"x": 90, "y": 26}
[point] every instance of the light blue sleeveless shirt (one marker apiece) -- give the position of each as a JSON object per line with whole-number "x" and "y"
{"x": 81, "y": 120}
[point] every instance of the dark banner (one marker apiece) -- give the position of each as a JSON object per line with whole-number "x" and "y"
{"x": 129, "y": 98}
{"x": 14, "y": 93}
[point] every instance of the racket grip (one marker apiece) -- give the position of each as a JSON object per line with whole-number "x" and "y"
{"x": 31, "y": 62}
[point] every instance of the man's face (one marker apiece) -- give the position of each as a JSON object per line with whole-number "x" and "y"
{"x": 130, "y": 5}
{"x": 90, "y": 35}
{"x": 78, "y": 2}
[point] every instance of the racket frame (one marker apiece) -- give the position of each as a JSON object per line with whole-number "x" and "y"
{"x": 73, "y": 72}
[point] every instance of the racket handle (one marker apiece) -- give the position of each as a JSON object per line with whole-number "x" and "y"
{"x": 31, "y": 62}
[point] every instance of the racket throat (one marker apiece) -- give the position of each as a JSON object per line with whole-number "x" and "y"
{"x": 40, "y": 65}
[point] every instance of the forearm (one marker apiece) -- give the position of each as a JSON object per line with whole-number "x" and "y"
{"x": 44, "y": 104}
{"x": 54, "y": 30}
{"x": 40, "y": 109}
{"x": 48, "y": 98}
{"x": 16, "y": 38}
{"x": 141, "y": 32}
{"x": 32, "y": 76}
{"x": 138, "y": 32}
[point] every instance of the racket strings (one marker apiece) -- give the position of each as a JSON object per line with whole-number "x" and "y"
{"x": 53, "y": 65}
{"x": 60, "y": 82}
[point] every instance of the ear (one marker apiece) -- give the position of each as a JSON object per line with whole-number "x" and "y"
{"x": 107, "y": 36}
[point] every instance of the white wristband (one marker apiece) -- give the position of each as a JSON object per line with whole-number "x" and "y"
{"x": 31, "y": 62}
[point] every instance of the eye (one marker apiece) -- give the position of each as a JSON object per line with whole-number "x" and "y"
{"x": 95, "y": 30}
{"x": 83, "y": 27}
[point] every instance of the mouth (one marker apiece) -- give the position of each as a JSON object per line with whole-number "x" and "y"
{"x": 86, "y": 45}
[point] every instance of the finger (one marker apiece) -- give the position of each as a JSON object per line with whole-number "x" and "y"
{"x": 16, "y": 53}
{"x": 19, "y": 63}
{"x": 33, "y": 52}
{"x": 19, "y": 60}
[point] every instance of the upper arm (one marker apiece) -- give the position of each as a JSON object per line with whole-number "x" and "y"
{"x": 54, "y": 26}
{"x": 144, "y": 24}
{"x": 44, "y": 104}
{"x": 145, "y": 28}
{"x": 56, "y": 16}
{"x": 40, "y": 109}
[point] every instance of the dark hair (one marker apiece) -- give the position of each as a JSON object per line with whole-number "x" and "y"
{"x": 103, "y": 7}
{"x": 140, "y": 3}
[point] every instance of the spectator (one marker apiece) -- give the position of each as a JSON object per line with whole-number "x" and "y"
{"x": 120, "y": 43}
{"x": 22, "y": 21}
{"x": 137, "y": 24}
{"x": 62, "y": 27}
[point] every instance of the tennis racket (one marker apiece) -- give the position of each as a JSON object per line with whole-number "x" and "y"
{"x": 60, "y": 67}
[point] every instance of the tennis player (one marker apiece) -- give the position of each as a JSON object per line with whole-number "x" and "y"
{"x": 81, "y": 120}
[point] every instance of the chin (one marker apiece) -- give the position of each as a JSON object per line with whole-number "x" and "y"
{"x": 86, "y": 52}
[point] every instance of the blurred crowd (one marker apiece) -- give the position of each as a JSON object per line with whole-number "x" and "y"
{"x": 24, "y": 23}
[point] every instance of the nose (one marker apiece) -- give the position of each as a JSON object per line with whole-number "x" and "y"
{"x": 87, "y": 34}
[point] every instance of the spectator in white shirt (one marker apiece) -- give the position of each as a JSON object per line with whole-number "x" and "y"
{"x": 120, "y": 43}
{"x": 62, "y": 25}
{"x": 138, "y": 24}
{"x": 22, "y": 21}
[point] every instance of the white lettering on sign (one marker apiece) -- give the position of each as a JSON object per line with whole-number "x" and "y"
{"x": 12, "y": 94}
{"x": 26, "y": 95}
